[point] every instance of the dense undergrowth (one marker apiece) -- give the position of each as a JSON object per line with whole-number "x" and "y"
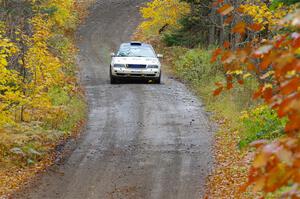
{"x": 41, "y": 102}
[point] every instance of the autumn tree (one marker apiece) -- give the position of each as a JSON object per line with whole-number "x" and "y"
{"x": 36, "y": 55}
{"x": 162, "y": 15}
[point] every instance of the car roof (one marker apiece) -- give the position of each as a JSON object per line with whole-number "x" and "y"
{"x": 135, "y": 43}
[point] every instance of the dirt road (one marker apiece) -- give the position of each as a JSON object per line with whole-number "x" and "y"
{"x": 142, "y": 140}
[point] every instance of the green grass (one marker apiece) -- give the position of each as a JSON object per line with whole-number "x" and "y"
{"x": 260, "y": 123}
{"x": 74, "y": 108}
{"x": 195, "y": 68}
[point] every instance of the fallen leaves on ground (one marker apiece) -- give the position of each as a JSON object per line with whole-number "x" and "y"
{"x": 14, "y": 174}
{"x": 231, "y": 166}
{"x": 12, "y": 179}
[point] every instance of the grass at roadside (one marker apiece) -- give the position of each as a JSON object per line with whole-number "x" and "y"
{"x": 193, "y": 66}
{"x": 252, "y": 120}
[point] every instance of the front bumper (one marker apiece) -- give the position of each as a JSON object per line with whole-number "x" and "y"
{"x": 133, "y": 72}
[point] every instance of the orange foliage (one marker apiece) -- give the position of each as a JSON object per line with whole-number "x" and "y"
{"x": 275, "y": 62}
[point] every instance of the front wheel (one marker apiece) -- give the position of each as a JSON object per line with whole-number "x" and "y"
{"x": 158, "y": 80}
{"x": 113, "y": 80}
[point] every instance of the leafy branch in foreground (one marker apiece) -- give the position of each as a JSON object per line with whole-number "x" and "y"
{"x": 274, "y": 60}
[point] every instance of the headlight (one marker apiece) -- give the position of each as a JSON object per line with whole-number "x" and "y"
{"x": 119, "y": 65}
{"x": 152, "y": 66}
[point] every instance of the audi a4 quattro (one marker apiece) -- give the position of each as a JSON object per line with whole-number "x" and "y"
{"x": 135, "y": 60}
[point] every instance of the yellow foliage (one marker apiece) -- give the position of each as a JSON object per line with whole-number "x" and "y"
{"x": 26, "y": 76}
{"x": 64, "y": 12}
{"x": 262, "y": 14}
{"x": 9, "y": 89}
{"x": 160, "y": 13}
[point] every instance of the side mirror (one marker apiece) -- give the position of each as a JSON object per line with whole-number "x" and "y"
{"x": 159, "y": 56}
{"x": 112, "y": 54}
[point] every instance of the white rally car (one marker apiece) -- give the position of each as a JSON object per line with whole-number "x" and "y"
{"x": 135, "y": 60}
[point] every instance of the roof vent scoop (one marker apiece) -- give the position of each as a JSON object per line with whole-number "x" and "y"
{"x": 136, "y": 43}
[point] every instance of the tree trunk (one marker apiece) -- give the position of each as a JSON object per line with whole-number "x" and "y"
{"x": 212, "y": 28}
{"x": 222, "y": 30}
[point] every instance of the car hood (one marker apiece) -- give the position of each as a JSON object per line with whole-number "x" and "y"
{"x": 135, "y": 60}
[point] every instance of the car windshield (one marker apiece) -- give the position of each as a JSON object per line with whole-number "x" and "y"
{"x": 135, "y": 51}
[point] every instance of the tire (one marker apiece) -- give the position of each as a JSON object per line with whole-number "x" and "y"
{"x": 158, "y": 80}
{"x": 113, "y": 80}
